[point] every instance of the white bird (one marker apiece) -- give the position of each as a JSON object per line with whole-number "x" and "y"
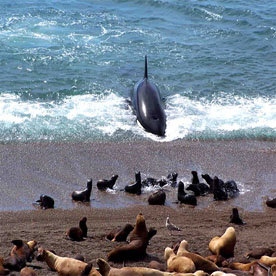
{"x": 170, "y": 226}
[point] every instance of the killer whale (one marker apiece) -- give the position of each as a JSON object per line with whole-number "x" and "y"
{"x": 148, "y": 105}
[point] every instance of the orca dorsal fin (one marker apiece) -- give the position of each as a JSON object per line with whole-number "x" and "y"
{"x": 146, "y": 67}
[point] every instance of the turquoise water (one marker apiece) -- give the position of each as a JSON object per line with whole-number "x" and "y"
{"x": 67, "y": 68}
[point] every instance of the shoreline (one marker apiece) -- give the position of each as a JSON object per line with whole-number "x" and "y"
{"x": 57, "y": 169}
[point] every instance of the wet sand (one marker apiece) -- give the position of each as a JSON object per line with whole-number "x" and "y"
{"x": 57, "y": 169}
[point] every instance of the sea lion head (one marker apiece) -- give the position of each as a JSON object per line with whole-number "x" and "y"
{"x": 168, "y": 253}
{"x": 183, "y": 247}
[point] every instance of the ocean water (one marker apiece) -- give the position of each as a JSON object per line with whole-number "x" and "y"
{"x": 68, "y": 67}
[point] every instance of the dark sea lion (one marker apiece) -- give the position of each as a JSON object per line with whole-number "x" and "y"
{"x": 198, "y": 188}
{"x": 136, "y": 187}
{"x": 219, "y": 190}
{"x": 27, "y": 271}
{"x": 79, "y": 257}
{"x": 157, "y": 198}
{"x": 103, "y": 184}
{"x": 183, "y": 197}
{"x": 231, "y": 188}
{"x": 258, "y": 269}
{"x": 271, "y": 203}
{"x": 139, "y": 239}
{"x": 78, "y": 233}
{"x": 46, "y": 202}
{"x": 235, "y": 218}
{"x": 120, "y": 234}
{"x": 21, "y": 253}
{"x": 83, "y": 195}
{"x": 148, "y": 105}
{"x": 3, "y": 270}
{"x": 257, "y": 253}
{"x": 217, "y": 259}
{"x": 209, "y": 181}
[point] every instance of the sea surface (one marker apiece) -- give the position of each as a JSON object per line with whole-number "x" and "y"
{"x": 68, "y": 68}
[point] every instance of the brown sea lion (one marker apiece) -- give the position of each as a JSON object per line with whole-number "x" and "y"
{"x": 120, "y": 234}
{"x": 268, "y": 261}
{"x": 157, "y": 265}
{"x": 139, "y": 239}
{"x": 27, "y": 271}
{"x": 78, "y": 233}
{"x": 225, "y": 244}
{"x": 3, "y": 271}
{"x": 273, "y": 270}
{"x": 259, "y": 269}
{"x": 63, "y": 265}
{"x": 258, "y": 252}
{"x": 106, "y": 270}
{"x": 21, "y": 253}
{"x": 176, "y": 263}
{"x": 218, "y": 260}
{"x": 104, "y": 184}
{"x": 200, "y": 262}
{"x": 241, "y": 266}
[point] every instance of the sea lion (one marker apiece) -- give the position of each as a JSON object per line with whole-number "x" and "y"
{"x": 242, "y": 266}
{"x": 219, "y": 190}
{"x": 21, "y": 253}
{"x": 106, "y": 270}
{"x": 139, "y": 239}
{"x": 258, "y": 252}
{"x": 268, "y": 261}
{"x": 198, "y": 188}
{"x": 225, "y": 244}
{"x": 63, "y": 265}
{"x": 83, "y": 195}
{"x": 209, "y": 181}
{"x": 120, "y": 234}
{"x": 218, "y": 260}
{"x": 231, "y": 188}
{"x": 200, "y": 262}
{"x": 27, "y": 271}
{"x": 235, "y": 218}
{"x": 136, "y": 187}
{"x": 103, "y": 184}
{"x": 259, "y": 269}
{"x": 78, "y": 233}
{"x": 157, "y": 265}
{"x": 157, "y": 198}
{"x": 176, "y": 263}
{"x": 3, "y": 270}
{"x": 183, "y": 197}
{"x": 273, "y": 270}
{"x": 271, "y": 203}
{"x": 148, "y": 105}
{"x": 46, "y": 202}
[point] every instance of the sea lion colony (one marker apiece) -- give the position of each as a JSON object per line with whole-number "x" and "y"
{"x": 178, "y": 259}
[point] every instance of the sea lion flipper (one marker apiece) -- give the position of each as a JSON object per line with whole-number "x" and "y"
{"x": 104, "y": 267}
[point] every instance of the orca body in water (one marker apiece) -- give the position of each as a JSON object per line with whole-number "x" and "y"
{"x": 148, "y": 105}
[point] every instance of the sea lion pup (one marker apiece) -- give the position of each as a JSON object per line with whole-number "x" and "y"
{"x": 183, "y": 197}
{"x": 63, "y": 265}
{"x": 157, "y": 265}
{"x": 235, "y": 218}
{"x": 3, "y": 271}
{"x": 136, "y": 187}
{"x": 106, "y": 270}
{"x": 83, "y": 195}
{"x": 103, "y": 184}
{"x": 178, "y": 263}
{"x": 26, "y": 271}
{"x": 139, "y": 239}
{"x": 198, "y": 188}
{"x": 241, "y": 266}
{"x": 271, "y": 203}
{"x": 120, "y": 234}
{"x": 200, "y": 262}
{"x": 21, "y": 253}
{"x": 78, "y": 233}
{"x": 257, "y": 253}
{"x": 268, "y": 261}
{"x": 225, "y": 244}
{"x": 157, "y": 198}
{"x": 46, "y": 202}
